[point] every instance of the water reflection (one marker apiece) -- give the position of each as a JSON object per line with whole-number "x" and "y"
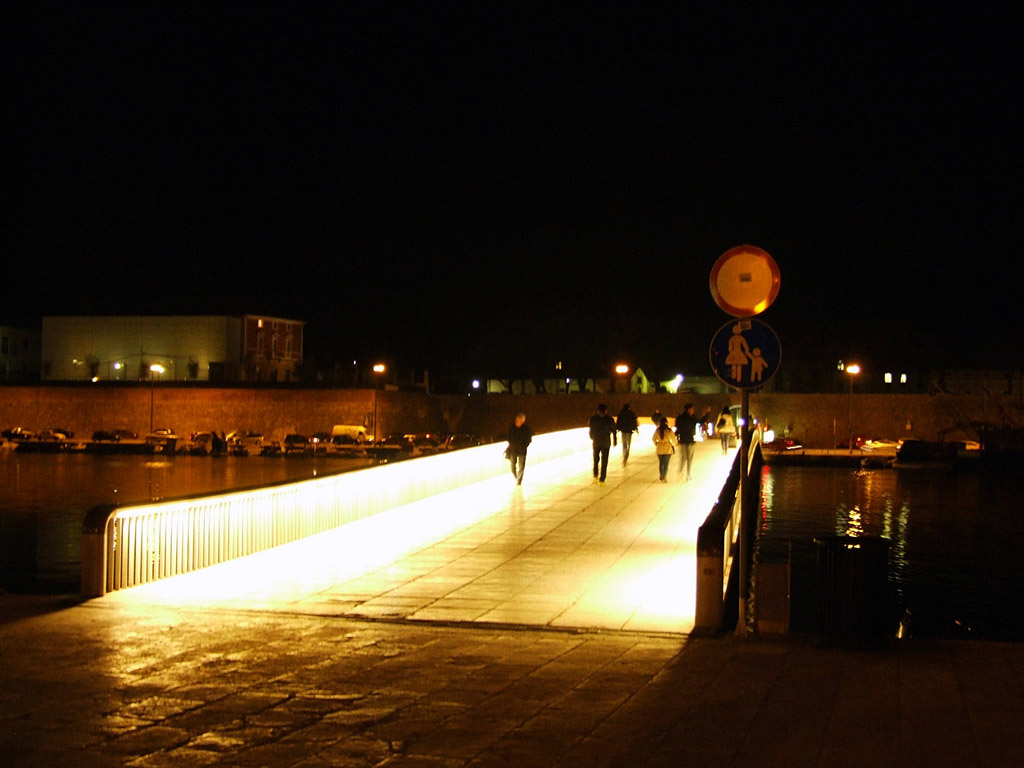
{"x": 44, "y": 499}
{"x": 956, "y": 541}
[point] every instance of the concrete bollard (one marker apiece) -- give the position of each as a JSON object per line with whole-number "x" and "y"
{"x": 709, "y": 611}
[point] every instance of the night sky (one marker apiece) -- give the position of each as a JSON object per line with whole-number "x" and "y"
{"x": 479, "y": 186}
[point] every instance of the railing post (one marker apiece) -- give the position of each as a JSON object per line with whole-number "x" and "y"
{"x": 709, "y": 612}
{"x": 94, "y": 550}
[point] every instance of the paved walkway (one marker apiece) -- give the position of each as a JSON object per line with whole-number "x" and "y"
{"x": 556, "y": 552}
{"x": 346, "y": 674}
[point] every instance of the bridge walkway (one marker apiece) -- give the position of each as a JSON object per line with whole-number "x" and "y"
{"x": 557, "y": 552}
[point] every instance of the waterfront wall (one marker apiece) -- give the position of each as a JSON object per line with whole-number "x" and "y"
{"x": 816, "y": 420}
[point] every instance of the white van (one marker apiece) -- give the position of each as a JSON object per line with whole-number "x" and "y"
{"x": 356, "y": 433}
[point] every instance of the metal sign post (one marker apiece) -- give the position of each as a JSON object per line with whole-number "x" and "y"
{"x": 745, "y": 354}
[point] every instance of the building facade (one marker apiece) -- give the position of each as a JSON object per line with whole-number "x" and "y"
{"x": 171, "y": 348}
{"x": 271, "y": 348}
{"x": 19, "y": 354}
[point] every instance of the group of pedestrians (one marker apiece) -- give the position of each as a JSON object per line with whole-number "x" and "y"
{"x": 606, "y": 432}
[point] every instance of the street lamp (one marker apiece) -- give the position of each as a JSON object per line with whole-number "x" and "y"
{"x": 378, "y": 369}
{"x": 620, "y": 370}
{"x": 156, "y": 369}
{"x": 852, "y": 370}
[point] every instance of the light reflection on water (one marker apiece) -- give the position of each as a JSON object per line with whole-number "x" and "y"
{"x": 44, "y": 499}
{"x": 956, "y": 538}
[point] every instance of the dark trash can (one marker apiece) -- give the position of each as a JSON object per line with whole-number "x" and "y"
{"x": 852, "y": 606}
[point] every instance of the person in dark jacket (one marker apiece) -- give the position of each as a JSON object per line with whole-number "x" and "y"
{"x": 686, "y": 429}
{"x": 626, "y": 423}
{"x": 602, "y": 435}
{"x": 519, "y": 438}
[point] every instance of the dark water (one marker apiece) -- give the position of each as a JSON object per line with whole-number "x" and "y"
{"x": 44, "y": 499}
{"x": 956, "y": 552}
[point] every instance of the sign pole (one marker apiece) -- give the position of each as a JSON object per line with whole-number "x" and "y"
{"x": 744, "y": 354}
{"x": 744, "y": 590}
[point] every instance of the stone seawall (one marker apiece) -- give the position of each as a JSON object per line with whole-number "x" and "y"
{"x": 816, "y": 420}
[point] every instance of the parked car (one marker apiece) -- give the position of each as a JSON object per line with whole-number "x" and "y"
{"x": 405, "y": 443}
{"x": 346, "y": 446}
{"x": 428, "y": 442}
{"x": 319, "y": 441}
{"x": 18, "y": 433}
{"x": 272, "y": 449}
{"x": 461, "y": 440}
{"x": 200, "y": 444}
{"x": 244, "y": 442}
{"x": 356, "y": 432}
{"x": 297, "y": 445}
{"x": 114, "y": 435}
{"x": 55, "y": 434}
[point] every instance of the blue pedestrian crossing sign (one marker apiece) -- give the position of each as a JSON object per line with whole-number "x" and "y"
{"x": 745, "y": 354}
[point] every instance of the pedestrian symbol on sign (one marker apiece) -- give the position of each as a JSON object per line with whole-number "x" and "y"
{"x": 745, "y": 353}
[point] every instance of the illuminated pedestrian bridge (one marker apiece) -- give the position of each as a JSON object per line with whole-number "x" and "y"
{"x": 448, "y": 538}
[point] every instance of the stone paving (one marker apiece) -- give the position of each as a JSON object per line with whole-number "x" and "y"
{"x": 297, "y": 677}
{"x": 113, "y": 684}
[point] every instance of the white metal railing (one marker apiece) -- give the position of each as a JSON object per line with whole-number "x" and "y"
{"x": 127, "y": 546}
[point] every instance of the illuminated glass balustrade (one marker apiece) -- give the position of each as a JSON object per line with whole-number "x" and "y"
{"x": 127, "y": 546}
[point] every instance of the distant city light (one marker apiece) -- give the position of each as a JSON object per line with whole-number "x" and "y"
{"x": 888, "y": 377}
{"x": 476, "y": 384}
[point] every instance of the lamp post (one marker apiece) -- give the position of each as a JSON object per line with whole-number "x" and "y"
{"x": 378, "y": 369}
{"x": 620, "y": 370}
{"x": 852, "y": 370}
{"x": 155, "y": 369}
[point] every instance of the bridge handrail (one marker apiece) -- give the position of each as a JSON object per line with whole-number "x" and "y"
{"x": 124, "y": 546}
{"x": 717, "y": 540}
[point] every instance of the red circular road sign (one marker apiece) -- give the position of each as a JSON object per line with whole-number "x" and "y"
{"x": 745, "y": 281}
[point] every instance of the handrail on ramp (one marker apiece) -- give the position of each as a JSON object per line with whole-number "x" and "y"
{"x": 125, "y": 546}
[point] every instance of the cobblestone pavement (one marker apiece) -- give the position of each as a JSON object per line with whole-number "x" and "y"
{"x": 110, "y": 685}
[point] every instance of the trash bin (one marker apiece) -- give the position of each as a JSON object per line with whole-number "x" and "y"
{"x": 852, "y": 606}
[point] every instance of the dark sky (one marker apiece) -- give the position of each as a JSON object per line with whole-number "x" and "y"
{"x": 461, "y": 185}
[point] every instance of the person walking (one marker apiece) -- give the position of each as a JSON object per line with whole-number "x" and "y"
{"x": 706, "y": 420}
{"x": 686, "y": 430}
{"x": 602, "y": 436}
{"x": 519, "y": 438}
{"x": 725, "y": 428}
{"x": 664, "y": 446}
{"x": 626, "y": 423}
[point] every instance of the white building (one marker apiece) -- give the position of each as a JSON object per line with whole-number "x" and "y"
{"x": 184, "y": 348}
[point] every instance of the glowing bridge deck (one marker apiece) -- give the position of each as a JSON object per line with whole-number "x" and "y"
{"x": 557, "y": 551}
